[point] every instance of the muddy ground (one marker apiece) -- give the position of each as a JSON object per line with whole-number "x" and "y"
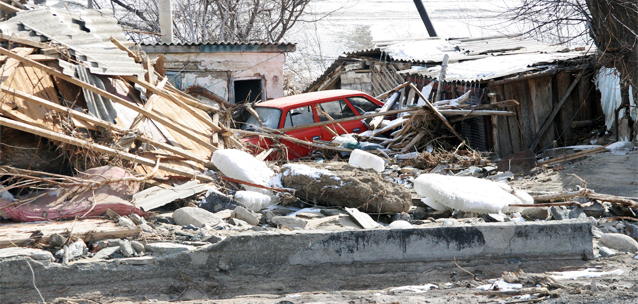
{"x": 453, "y": 285}
{"x": 604, "y": 173}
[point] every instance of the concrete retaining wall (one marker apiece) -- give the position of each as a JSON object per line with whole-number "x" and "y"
{"x": 301, "y": 256}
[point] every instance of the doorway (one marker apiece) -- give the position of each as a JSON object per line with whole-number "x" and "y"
{"x": 248, "y": 90}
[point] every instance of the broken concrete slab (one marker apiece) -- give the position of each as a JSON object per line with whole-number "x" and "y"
{"x": 338, "y": 184}
{"x": 363, "y": 219}
{"x": 21, "y": 252}
{"x": 246, "y": 215}
{"x": 195, "y": 216}
{"x": 155, "y": 197}
{"x": 167, "y": 248}
{"x": 106, "y": 252}
{"x": 290, "y": 222}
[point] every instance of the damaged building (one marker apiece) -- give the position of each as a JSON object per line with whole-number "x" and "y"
{"x": 552, "y": 85}
{"x": 236, "y": 72}
{"x": 121, "y": 178}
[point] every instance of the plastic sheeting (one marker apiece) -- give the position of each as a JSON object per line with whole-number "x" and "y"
{"x": 608, "y": 83}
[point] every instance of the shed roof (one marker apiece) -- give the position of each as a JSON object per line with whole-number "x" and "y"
{"x": 220, "y": 47}
{"x": 470, "y": 59}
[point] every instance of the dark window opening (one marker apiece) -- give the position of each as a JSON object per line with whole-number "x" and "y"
{"x": 175, "y": 78}
{"x": 336, "y": 109}
{"x": 247, "y": 91}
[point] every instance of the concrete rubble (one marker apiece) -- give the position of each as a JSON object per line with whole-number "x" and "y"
{"x": 217, "y": 215}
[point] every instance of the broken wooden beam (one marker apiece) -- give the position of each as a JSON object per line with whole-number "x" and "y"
{"x": 124, "y": 48}
{"x": 474, "y": 113}
{"x": 576, "y": 155}
{"x": 107, "y": 125}
{"x": 353, "y": 118}
{"x": 436, "y": 112}
{"x": 165, "y": 122}
{"x": 99, "y": 148}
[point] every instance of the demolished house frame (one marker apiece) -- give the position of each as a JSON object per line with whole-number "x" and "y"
{"x": 552, "y": 85}
{"x": 91, "y": 98}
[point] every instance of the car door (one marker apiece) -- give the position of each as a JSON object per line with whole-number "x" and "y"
{"x": 298, "y": 117}
{"x": 338, "y": 109}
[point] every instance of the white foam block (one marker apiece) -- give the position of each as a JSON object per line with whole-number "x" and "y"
{"x": 466, "y": 193}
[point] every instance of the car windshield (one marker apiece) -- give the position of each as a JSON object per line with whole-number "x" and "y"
{"x": 269, "y": 116}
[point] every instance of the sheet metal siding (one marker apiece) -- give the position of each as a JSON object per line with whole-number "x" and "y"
{"x": 86, "y": 33}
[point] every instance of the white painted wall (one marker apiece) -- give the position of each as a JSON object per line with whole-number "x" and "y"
{"x": 214, "y": 70}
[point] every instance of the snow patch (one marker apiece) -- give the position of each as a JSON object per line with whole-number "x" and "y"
{"x": 240, "y": 165}
{"x": 298, "y": 169}
{"x": 414, "y": 288}
{"x": 469, "y": 194}
{"x": 501, "y": 285}
{"x": 587, "y": 273}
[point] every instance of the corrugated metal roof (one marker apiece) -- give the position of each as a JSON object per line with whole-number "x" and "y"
{"x": 470, "y": 59}
{"x": 494, "y": 67}
{"x": 85, "y": 32}
{"x": 432, "y": 50}
{"x": 219, "y": 47}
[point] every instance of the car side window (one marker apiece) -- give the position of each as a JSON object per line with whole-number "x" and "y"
{"x": 299, "y": 117}
{"x": 336, "y": 109}
{"x": 362, "y": 104}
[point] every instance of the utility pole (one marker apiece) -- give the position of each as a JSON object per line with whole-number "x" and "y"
{"x": 425, "y": 18}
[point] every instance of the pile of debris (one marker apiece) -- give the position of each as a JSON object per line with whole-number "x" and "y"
{"x": 170, "y": 174}
{"x": 99, "y": 103}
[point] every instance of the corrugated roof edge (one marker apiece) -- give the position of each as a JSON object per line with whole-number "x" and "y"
{"x": 218, "y": 47}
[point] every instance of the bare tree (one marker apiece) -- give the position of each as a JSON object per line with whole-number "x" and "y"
{"x": 211, "y": 20}
{"x": 612, "y": 25}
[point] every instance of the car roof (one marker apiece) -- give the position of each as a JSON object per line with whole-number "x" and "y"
{"x": 308, "y": 98}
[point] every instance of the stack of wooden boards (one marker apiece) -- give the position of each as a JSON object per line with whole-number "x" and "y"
{"x": 153, "y": 126}
{"x": 418, "y": 118}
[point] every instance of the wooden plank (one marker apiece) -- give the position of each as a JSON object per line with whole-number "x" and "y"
{"x": 512, "y": 121}
{"x": 124, "y": 48}
{"x": 374, "y": 124}
{"x": 550, "y": 118}
{"x": 541, "y": 93}
{"x": 174, "y": 125}
{"x": 8, "y": 8}
{"x": 413, "y": 142}
{"x": 98, "y": 122}
{"x": 90, "y": 230}
{"x": 99, "y": 148}
{"x": 473, "y": 113}
{"x": 525, "y": 109}
{"x": 316, "y": 86}
{"x": 576, "y": 155}
{"x": 215, "y": 139}
{"x": 195, "y": 112}
{"x": 35, "y": 57}
{"x": 340, "y": 120}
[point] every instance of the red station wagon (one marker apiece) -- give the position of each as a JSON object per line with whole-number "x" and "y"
{"x": 299, "y": 110}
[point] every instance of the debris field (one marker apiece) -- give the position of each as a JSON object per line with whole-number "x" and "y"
{"x": 106, "y": 164}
